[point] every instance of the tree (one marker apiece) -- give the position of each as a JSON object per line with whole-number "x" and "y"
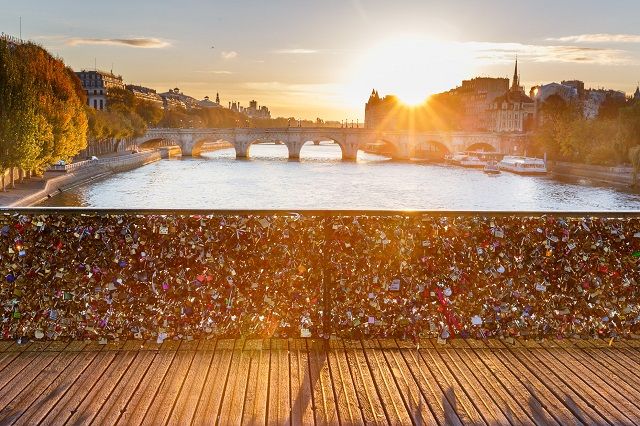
{"x": 628, "y": 129}
{"x": 21, "y": 128}
{"x": 59, "y": 104}
{"x": 634, "y": 157}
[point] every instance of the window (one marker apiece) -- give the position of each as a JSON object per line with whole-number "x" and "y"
{"x": 101, "y": 104}
{"x": 95, "y": 103}
{"x": 95, "y": 92}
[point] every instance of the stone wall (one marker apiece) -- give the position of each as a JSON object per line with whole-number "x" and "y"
{"x": 620, "y": 175}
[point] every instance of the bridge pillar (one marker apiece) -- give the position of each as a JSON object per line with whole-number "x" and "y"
{"x": 242, "y": 149}
{"x": 294, "y": 145}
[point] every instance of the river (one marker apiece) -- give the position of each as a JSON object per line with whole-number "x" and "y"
{"x": 320, "y": 180}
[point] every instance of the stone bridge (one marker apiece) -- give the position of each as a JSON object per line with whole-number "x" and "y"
{"x": 398, "y": 144}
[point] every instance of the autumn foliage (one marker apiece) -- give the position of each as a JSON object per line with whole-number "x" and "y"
{"x": 42, "y": 112}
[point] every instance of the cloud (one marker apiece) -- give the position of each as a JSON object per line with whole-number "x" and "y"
{"x": 218, "y": 72}
{"x": 295, "y": 51}
{"x": 142, "y": 42}
{"x": 506, "y": 52}
{"x": 229, "y": 55}
{"x": 599, "y": 38}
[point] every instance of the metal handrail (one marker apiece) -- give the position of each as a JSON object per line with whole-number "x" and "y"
{"x": 322, "y": 213}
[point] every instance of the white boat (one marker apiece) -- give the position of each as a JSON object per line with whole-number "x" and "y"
{"x": 466, "y": 160}
{"x": 474, "y": 159}
{"x": 491, "y": 168}
{"x": 523, "y": 165}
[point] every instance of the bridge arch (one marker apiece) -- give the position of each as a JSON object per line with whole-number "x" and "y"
{"x": 317, "y": 141}
{"x": 481, "y": 146}
{"x": 431, "y": 150}
{"x": 157, "y": 143}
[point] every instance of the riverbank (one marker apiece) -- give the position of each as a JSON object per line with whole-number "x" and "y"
{"x": 619, "y": 176}
{"x": 34, "y": 190}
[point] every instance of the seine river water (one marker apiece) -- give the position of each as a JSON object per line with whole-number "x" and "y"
{"x": 321, "y": 181}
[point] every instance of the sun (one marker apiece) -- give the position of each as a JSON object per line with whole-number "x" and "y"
{"x": 412, "y": 67}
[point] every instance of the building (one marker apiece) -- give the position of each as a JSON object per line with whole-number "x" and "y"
{"x": 573, "y": 91}
{"x": 255, "y": 111}
{"x": 512, "y": 112}
{"x": 97, "y": 84}
{"x": 252, "y": 111}
{"x": 208, "y": 103}
{"x": 379, "y": 112}
{"x": 593, "y": 99}
{"x": 174, "y": 98}
{"x": 636, "y": 95}
{"x": 145, "y": 94}
{"x": 476, "y": 96}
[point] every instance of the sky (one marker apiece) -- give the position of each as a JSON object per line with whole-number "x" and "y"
{"x": 309, "y": 59}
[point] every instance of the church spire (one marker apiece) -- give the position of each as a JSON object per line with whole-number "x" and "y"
{"x": 516, "y": 78}
{"x": 637, "y": 94}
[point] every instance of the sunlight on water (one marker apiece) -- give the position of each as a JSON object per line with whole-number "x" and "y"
{"x": 320, "y": 180}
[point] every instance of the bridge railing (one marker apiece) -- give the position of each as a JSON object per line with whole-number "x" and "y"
{"x": 107, "y": 274}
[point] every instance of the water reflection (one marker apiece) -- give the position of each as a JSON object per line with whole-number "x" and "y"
{"x": 320, "y": 180}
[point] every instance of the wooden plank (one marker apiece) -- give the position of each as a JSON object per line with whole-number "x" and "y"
{"x": 300, "y": 382}
{"x": 321, "y": 384}
{"x": 563, "y": 410}
{"x": 442, "y": 410}
{"x": 279, "y": 410}
{"x": 451, "y": 388}
{"x": 607, "y": 379}
{"x": 57, "y": 389}
{"x": 510, "y": 381}
{"x": 134, "y": 411}
{"x": 18, "y": 347}
{"x": 608, "y": 404}
{"x": 370, "y": 403}
{"x": 20, "y": 398}
{"x": 6, "y": 358}
{"x": 573, "y": 401}
{"x": 493, "y": 388}
{"x": 5, "y": 344}
{"x": 26, "y": 368}
{"x": 162, "y": 405}
{"x": 208, "y": 406}
{"x": 347, "y": 404}
{"x": 233, "y": 403}
{"x": 383, "y": 380}
{"x": 621, "y": 371}
{"x": 86, "y": 381}
{"x": 194, "y": 382}
{"x": 489, "y": 410}
{"x": 416, "y": 405}
{"x": 96, "y": 398}
{"x": 256, "y": 399}
{"x": 110, "y": 411}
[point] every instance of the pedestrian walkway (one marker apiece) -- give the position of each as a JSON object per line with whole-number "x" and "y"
{"x": 297, "y": 381}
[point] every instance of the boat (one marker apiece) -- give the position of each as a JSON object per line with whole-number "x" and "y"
{"x": 473, "y": 159}
{"x": 523, "y": 165}
{"x": 491, "y": 168}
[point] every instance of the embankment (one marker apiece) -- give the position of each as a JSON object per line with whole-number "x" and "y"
{"x": 619, "y": 175}
{"x": 55, "y": 182}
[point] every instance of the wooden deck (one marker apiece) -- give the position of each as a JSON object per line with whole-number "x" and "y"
{"x": 297, "y": 382}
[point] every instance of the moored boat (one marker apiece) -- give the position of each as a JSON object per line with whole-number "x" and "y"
{"x": 491, "y": 168}
{"x": 523, "y": 165}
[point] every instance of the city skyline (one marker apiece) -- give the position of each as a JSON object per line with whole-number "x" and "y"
{"x": 309, "y": 61}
